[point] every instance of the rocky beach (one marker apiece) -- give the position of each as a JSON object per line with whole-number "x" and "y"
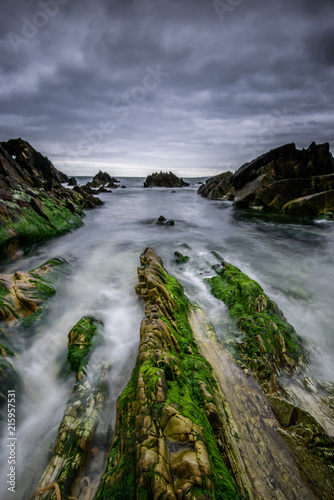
{"x": 166, "y": 345}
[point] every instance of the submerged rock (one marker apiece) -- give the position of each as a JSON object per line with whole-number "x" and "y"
{"x": 180, "y": 258}
{"x": 285, "y": 180}
{"x": 164, "y": 179}
{"x": 171, "y": 412}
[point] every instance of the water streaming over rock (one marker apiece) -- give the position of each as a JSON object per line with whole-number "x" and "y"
{"x": 291, "y": 259}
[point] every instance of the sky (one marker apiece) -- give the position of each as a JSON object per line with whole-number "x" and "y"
{"x": 197, "y": 87}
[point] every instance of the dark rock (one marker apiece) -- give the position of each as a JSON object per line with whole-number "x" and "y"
{"x": 48, "y": 208}
{"x": 164, "y": 179}
{"x": 218, "y": 187}
{"x": 286, "y": 180}
{"x": 72, "y": 181}
{"x": 180, "y": 258}
{"x": 161, "y": 220}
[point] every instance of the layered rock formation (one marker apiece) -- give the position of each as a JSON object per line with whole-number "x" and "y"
{"x": 77, "y": 435}
{"x": 284, "y": 180}
{"x": 22, "y": 296}
{"x": 164, "y": 179}
{"x": 33, "y": 204}
{"x": 266, "y": 344}
{"x": 172, "y": 438}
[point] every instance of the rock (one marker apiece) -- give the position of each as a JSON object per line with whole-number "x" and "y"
{"x": 22, "y": 294}
{"x": 80, "y": 437}
{"x": 72, "y": 181}
{"x": 162, "y": 221}
{"x": 218, "y": 187}
{"x": 33, "y": 204}
{"x": 101, "y": 179}
{"x": 270, "y": 343}
{"x": 164, "y": 444}
{"x": 164, "y": 179}
{"x": 82, "y": 341}
{"x": 180, "y": 258}
{"x": 285, "y": 180}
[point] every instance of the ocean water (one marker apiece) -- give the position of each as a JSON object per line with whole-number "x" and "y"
{"x": 292, "y": 259}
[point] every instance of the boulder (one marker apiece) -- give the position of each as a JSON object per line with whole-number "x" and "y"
{"x": 164, "y": 179}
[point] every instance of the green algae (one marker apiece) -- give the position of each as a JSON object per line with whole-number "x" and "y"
{"x": 185, "y": 372}
{"x": 84, "y": 338}
{"x": 25, "y": 226}
{"x": 268, "y": 335}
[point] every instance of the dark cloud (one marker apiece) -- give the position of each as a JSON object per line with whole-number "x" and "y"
{"x": 188, "y": 85}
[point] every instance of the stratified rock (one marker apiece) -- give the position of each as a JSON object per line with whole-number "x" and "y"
{"x": 172, "y": 411}
{"x": 33, "y": 204}
{"x": 164, "y": 179}
{"x": 270, "y": 343}
{"x": 218, "y": 187}
{"x": 270, "y": 348}
{"x": 38, "y": 167}
{"x": 23, "y": 293}
{"x": 286, "y": 180}
{"x": 77, "y": 434}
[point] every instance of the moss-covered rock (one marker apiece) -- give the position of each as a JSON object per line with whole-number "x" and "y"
{"x": 23, "y": 293}
{"x": 168, "y": 415}
{"x": 77, "y": 435}
{"x": 34, "y": 206}
{"x": 269, "y": 343}
{"x": 180, "y": 258}
{"x": 82, "y": 341}
{"x": 269, "y": 347}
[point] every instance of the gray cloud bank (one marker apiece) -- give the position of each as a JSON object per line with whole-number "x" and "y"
{"x": 193, "y": 86}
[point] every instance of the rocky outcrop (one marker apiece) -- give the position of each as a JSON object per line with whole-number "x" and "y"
{"x": 263, "y": 342}
{"x": 172, "y": 437}
{"x": 34, "y": 206}
{"x": 78, "y": 431}
{"x": 285, "y": 180}
{"x": 22, "y": 297}
{"x": 23, "y": 293}
{"x": 101, "y": 180}
{"x": 164, "y": 179}
{"x": 218, "y": 187}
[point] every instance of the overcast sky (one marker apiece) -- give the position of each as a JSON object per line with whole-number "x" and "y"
{"x": 193, "y": 86}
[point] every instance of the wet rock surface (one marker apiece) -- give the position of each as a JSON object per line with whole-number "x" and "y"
{"x": 284, "y": 180}
{"x": 268, "y": 346}
{"x": 171, "y": 428}
{"x": 164, "y": 179}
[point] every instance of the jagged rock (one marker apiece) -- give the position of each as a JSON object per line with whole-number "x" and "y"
{"x": 72, "y": 181}
{"x": 171, "y": 411}
{"x": 33, "y": 204}
{"x": 38, "y": 167}
{"x": 164, "y": 179}
{"x": 218, "y": 187}
{"x": 102, "y": 179}
{"x": 286, "y": 180}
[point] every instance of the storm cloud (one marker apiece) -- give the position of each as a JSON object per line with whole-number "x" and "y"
{"x": 192, "y": 86}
